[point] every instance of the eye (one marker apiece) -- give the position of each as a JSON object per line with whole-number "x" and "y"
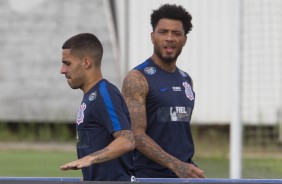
{"x": 177, "y": 33}
{"x": 162, "y": 31}
{"x": 66, "y": 63}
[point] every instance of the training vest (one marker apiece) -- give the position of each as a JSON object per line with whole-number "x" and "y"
{"x": 102, "y": 112}
{"x": 169, "y": 106}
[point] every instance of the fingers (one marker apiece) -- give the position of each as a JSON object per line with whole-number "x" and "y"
{"x": 199, "y": 174}
{"x": 187, "y": 170}
{"x": 196, "y": 172}
{"x": 77, "y": 164}
{"x": 70, "y": 166}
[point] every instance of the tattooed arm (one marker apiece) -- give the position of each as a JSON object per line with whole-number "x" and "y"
{"x": 135, "y": 90}
{"x": 123, "y": 143}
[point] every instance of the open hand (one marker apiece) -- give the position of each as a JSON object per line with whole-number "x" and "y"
{"x": 77, "y": 164}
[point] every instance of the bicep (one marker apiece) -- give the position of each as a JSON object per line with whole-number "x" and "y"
{"x": 135, "y": 90}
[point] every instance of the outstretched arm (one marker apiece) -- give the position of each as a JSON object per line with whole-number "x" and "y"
{"x": 123, "y": 143}
{"x": 135, "y": 90}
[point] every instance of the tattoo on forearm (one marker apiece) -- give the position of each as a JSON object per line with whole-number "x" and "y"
{"x": 140, "y": 141}
{"x": 154, "y": 151}
{"x": 101, "y": 159}
{"x": 126, "y": 134}
{"x": 134, "y": 89}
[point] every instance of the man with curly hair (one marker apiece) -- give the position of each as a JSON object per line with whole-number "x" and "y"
{"x": 160, "y": 99}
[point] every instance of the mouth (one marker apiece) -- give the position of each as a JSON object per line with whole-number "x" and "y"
{"x": 67, "y": 77}
{"x": 169, "y": 49}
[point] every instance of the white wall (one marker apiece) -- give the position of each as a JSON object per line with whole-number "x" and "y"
{"x": 32, "y": 33}
{"x": 209, "y": 54}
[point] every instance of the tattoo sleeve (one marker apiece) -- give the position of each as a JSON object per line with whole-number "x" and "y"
{"x": 134, "y": 90}
{"x": 127, "y": 134}
{"x": 100, "y": 156}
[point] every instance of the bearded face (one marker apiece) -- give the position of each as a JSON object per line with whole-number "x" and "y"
{"x": 169, "y": 54}
{"x": 168, "y": 39}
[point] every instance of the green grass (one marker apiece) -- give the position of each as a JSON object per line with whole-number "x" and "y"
{"x": 267, "y": 167}
{"x": 213, "y": 167}
{"x": 30, "y": 163}
{"x": 212, "y": 152}
{"x": 36, "y": 164}
{"x": 253, "y": 168}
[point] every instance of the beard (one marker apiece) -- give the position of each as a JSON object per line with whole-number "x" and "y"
{"x": 169, "y": 58}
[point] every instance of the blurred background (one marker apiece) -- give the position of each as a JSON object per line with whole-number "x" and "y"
{"x": 229, "y": 38}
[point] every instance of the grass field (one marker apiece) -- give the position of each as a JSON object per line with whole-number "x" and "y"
{"x": 34, "y": 163}
{"x": 27, "y": 157}
{"x": 24, "y": 163}
{"x": 254, "y": 168}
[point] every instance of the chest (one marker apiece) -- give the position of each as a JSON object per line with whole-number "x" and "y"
{"x": 170, "y": 91}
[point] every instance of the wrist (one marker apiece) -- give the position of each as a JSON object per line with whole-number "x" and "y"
{"x": 173, "y": 164}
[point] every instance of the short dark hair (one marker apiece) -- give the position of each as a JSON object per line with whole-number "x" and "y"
{"x": 85, "y": 44}
{"x": 172, "y": 11}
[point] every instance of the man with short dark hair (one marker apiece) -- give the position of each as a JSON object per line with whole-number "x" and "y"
{"x": 105, "y": 141}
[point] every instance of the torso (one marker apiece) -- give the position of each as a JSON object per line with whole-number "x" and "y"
{"x": 169, "y": 106}
{"x": 100, "y": 114}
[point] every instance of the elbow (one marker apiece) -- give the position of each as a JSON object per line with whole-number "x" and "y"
{"x": 131, "y": 145}
{"x": 127, "y": 145}
{"x": 139, "y": 140}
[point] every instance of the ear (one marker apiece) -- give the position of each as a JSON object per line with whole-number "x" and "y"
{"x": 87, "y": 63}
{"x": 185, "y": 40}
{"x": 152, "y": 37}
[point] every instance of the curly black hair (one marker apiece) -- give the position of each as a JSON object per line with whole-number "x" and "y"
{"x": 172, "y": 11}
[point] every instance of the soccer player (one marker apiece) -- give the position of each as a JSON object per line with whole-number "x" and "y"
{"x": 160, "y": 100}
{"x": 105, "y": 141}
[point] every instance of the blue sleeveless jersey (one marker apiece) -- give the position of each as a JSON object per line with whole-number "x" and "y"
{"x": 169, "y": 106}
{"x": 102, "y": 112}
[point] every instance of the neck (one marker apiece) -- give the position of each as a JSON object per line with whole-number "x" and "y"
{"x": 166, "y": 66}
{"x": 94, "y": 79}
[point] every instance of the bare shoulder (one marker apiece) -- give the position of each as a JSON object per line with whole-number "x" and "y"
{"x": 135, "y": 90}
{"x": 134, "y": 83}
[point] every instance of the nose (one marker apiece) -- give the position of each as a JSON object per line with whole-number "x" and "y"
{"x": 169, "y": 37}
{"x": 63, "y": 70}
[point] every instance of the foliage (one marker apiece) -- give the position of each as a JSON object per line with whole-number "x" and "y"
{"x": 35, "y": 131}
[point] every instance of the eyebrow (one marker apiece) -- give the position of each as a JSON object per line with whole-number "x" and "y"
{"x": 173, "y": 30}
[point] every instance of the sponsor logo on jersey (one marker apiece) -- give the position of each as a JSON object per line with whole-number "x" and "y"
{"x": 188, "y": 90}
{"x": 178, "y": 113}
{"x": 184, "y": 74}
{"x": 163, "y": 89}
{"x": 92, "y": 96}
{"x": 176, "y": 88}
{"x": 80, "y": 114}
{"x": 174, "y": 114}
{"x": 150, "y": 70}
